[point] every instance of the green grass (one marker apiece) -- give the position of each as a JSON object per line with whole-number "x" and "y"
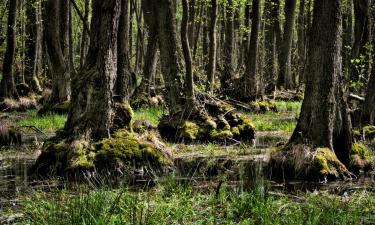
{"x": 284, "y": 120}
{"x": 49, "y": 123}
{"x": 173, "y": 203}
{"x": 152, "y": 114}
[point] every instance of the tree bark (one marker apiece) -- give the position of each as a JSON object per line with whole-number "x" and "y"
{"x": 250, "y": 77}
{"x": 85, "y": 39}
{"x": 90, "y": 116}
{"x": 368, "y": 113}
{"x": 189, "y": 82}
{"x": 228, "y": 53}
{"x": 170, "y": 54}
{"x": 213, "y": 45}
{"x": 285, "y": 74}
{"x": 33, "y": 38}
{"x": 124, "y": 82}
{"x": 7, "y": 85}
{"x": 59, "y": 67}
{"x": 324, "y": 119}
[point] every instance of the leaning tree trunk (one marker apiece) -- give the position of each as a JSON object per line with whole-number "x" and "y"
{"x": 170, "y": 53}
{"x": 324, "y": 127}
{"x": 213, "y": 48}
{"x": 90, "y": 116}
{"x": 59, "y": 66}
{"x": 250, "y": 78}
{"x": 7, "y": 85}
{"x": 285, "y": 74}
{"x": 368, "y": 114}
{"x": 32, "y": 44}
{"x": 123, "y": 80}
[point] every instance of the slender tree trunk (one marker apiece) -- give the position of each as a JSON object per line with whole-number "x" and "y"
{"x": 33, "y": 37}
{"x": 7, "y": 85}
{"x": 90, "y": 117}
{"x": 228, "y": 60}
{"x": 123, "y": 81}
{"x": 347, "y": 36}
{"x": 368, "y": 113}
{"x": 324, "y": 119}
{"x": 189, "y": 82}
{"x": 59, "y": 67}
{"x": 85, "y": 39}
{"x": 250, "y": 81}
{"x": 285, "y": 77}
{"x": 213, "y": 45}
{"x": 301, "y": 39}
{"x": 191, "y": 26}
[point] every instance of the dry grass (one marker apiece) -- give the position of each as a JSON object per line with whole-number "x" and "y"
{"x": 21, "y": 104}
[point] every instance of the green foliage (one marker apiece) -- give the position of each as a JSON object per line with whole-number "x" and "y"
{"x": 48, "y": 123}
{"x": 175, "y": 203}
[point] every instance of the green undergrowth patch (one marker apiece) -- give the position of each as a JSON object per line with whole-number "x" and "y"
{"x": 174, "y": 203}
{"x": 152, "y": 114}
{"x": 284, "y": 120}
{"x": 49, "y": 123}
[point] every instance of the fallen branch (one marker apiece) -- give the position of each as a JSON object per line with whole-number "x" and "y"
{"x": 356, "y": 97}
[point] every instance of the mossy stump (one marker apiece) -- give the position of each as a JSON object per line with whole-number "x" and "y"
{"x": 263, "y": 106}
{"x": 305, "y": 162}
{"x": 216, "y": 122}
{"x": 361, "y": 158}
{"x": 123, "y": 153}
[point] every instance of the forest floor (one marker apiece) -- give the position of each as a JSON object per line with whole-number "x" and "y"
{"x": 209, "y": 186}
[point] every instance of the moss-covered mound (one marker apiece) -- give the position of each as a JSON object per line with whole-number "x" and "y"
{"x": 361, "y": 158}
{"x": 366, "y": 133}
{"x": 59, "y": 108}
{"x": 306, "y": 163}
{"x": 263, "y": 106}
{"x": 217, "y": 122}
{"x": 123, "y": 153}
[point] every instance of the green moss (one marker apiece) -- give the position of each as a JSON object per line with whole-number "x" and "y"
{"x": 359, "y": 149}
{"x": 327, "y": 163}
{"x": 190, "y": 130}
{"x": 263, "y": 106}
{"x": 215, "y": 134}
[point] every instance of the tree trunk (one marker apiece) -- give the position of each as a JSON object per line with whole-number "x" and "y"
{"x": 189, "y": 82}
{"x": 272, "y": 43}
{"x": 285, "y": 74}
{"x": 59, "y": 67}
{"x": 301, "y": 39}
{"x": 191, "y": 26}
{"x": 347, "y": 36}
{"x": 7, "y": 85}
{"x": 213, "y": 45}
{"x": 324, "y": 119}
{"x": 124, "y": 82}
{"x": 362, "y": 31}
{"x": 33, "y": 37}
{"x": 85, "y": 39}
{"x": 170, "y": 54}
{"x": 368, "y": 113}
{"x": 91, "y": 112}
{"x": 250, "y": 78}
{"x": 228, "y": 60}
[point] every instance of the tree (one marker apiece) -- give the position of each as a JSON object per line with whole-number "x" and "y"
{"x": 213, "y": 47}
{"x": 90, "y": 116}
{"x": 285, "y": 74}
{"x": 324, "y": 129}
{"x": 56, "y": 52}
{"x": 368, "y": 114}
{"x": 33, "y": 39}
{"x": 7, "y": 85}
{"x": 250, "y": 77}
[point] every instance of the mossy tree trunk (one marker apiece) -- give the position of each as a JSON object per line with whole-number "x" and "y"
{"x": 250, "y": 77}
{"x": 285, "y": 74}
{"x": 91, "y": 112}
{"x": 7, "y": 85}
{"x": 324, "y": 119}
{"x": 59, "y": 66}
{"x": 123, "y": 80}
